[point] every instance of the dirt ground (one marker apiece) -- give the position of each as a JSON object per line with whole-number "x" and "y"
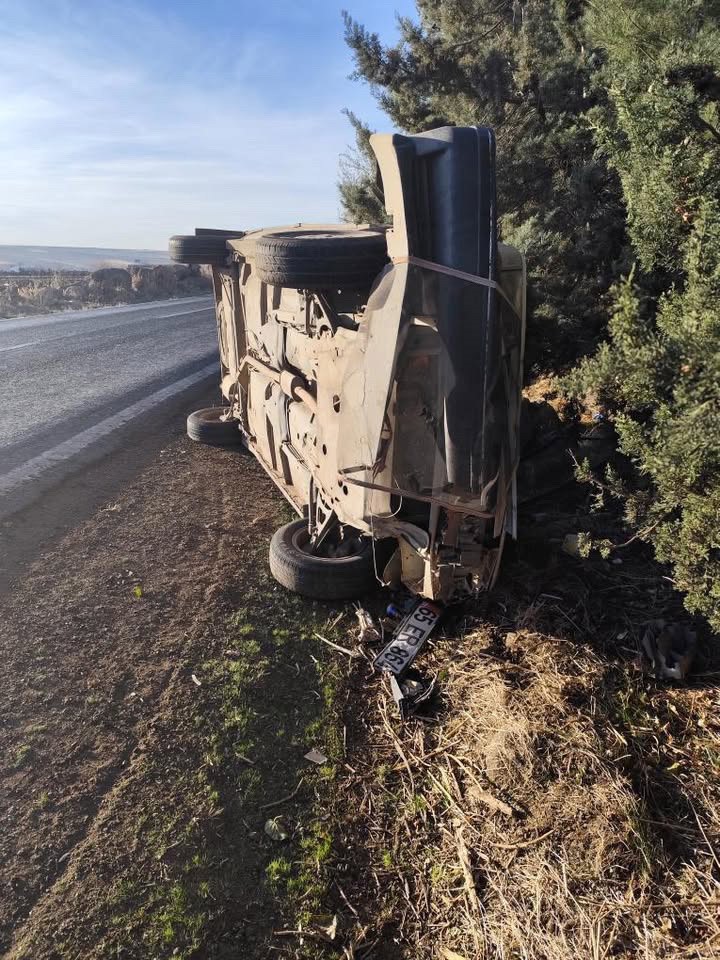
{"x": 154, "y": 700}
{"x": 160, "y": 691}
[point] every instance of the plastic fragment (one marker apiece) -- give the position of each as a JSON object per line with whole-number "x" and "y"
{"x": 368, "y": 633}
{"x": 571, "y": 545}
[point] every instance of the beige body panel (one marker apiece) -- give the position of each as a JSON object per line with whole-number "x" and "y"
{"x": 310, "y": 449}
{"x": 391, "y": 407}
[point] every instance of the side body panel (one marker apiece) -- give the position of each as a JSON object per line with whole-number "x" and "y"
{"x": 400, "y": 421}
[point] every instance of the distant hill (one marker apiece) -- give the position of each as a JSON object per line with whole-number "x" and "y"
{"x": 74, "y": 258}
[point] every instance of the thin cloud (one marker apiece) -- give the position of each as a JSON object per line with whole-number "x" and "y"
{"x": 121, "y": 126}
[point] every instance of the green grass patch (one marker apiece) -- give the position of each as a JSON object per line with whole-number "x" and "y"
{"x": 269, "y": 691}
{"x": 42, "y": 801}
{"x": 23, "y": 755}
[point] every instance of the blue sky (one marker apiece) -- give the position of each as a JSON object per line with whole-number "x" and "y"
{"x": 122, "y": 123}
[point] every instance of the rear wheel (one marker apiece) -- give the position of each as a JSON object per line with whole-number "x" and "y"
{"x": 320, "y": 259}
{"x": 210, "y": 249}
{"x": 210, "y": 426}
{"x": 343, "y": 569}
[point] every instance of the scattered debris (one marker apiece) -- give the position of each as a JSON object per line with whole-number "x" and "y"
{"x": 330, "y": 930}
{"x": 276, "y": 829}
{"x": 368, "y": 633}
{"x": 670, "y": 648}
{"x": 316, "y": 756}
{"x": 397, "y": 694}
{"x": 137, "y": 591}
{"x": 571, "y": 544}
{"x": 198, "y": 683}
{"x": 388, "y": 625}
{"x": 412, "y": 691}
{"x": 233, "y": 654}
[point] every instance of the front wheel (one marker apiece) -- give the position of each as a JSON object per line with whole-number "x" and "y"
{"x": 212, "y": 425}
{"x": 341, "y": 570}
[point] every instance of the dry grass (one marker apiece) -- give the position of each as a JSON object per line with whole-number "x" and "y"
{"x": 558, "y": 806}
{"x": 29, "y": 295}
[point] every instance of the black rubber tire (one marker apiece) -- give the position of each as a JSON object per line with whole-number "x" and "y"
{"x": 320, "y": 259}
{"x": 205, "y": 426}
{"x": 209, "y": 249}
{"x": 346, "y": 578}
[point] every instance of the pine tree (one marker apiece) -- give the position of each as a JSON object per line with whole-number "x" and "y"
{"x": 360, "y": 193}
{"x": 526, "y": 69}
{"x": 659, "y": 373}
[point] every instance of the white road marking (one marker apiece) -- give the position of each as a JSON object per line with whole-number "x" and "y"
{"x": 79, "y": 333}
{"x": 30, "y": 343}
{"x": 34, "y": 468}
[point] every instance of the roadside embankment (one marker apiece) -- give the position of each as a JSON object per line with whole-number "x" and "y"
{"x": 554, "y": 801}
{"x": 160, "y": 692}
{"x": 36, "y": 293}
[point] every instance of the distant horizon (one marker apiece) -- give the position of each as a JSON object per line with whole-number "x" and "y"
{"x": 138, "y": 119}
{"x": 15, "y": 257}
{"x": 78, "y": 246}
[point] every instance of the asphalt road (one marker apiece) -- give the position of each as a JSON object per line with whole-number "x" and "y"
{"x": 73, "y": 384}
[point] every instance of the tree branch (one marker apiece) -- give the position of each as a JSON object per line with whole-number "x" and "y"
{"x": 483, "y": 36}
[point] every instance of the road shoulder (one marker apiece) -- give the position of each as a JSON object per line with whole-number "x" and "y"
{"x": 160, "y": 693}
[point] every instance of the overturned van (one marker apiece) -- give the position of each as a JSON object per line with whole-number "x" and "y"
{"x": 375, "y": 373}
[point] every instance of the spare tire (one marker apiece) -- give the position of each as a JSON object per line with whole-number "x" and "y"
{"x": 208, "y": 426}
{"x": 209, "y": 248}
{"x": 321, "y": 577}
{"x": 320, "y": 259}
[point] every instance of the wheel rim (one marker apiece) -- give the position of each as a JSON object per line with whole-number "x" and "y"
{"x": 216, "y": 415}
{"x": 355, "y": 545}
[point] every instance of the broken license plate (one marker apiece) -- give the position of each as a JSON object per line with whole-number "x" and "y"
{"x": 408, "y": 639}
